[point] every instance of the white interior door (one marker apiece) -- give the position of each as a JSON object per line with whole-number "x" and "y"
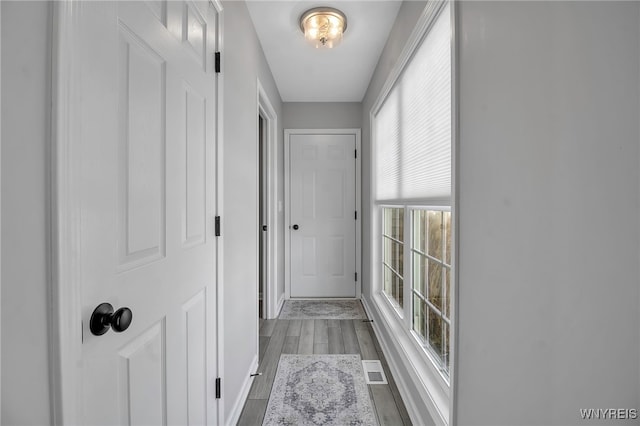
{"x": 147, "y": 194}
{"x": 322, "y": 186}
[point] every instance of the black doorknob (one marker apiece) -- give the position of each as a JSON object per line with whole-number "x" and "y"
{"x": 296, "y": 227}
{"x": 103, "y": 318}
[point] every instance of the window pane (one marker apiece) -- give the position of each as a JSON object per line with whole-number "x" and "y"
{"x": 415, "y": 242}
{"x": 420, "y": 230}
{"x": 445, "y": 355}
{"x": 394, "y": 286}
{"x": 435, "y": 234}
{"x": 397, "y": 289}
{"x": 435, "y": 284}
{"x": 387, "y": 284}
{"x": 386, "y": 222}
{"x": 420, "y": 274}
{"x": 385, "y": 248}
{"x": 419, "y": 318}
{"x": 397, "y": 258}
{"x": 447, "y": 232}
{"x": 394, "y": 223}
{"x": 447, "y": 292}
{"x": 393, "y": 253}
{"x": 435, "y": 331}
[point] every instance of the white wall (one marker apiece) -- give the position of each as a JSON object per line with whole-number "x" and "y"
{"x": 322, "y": 115}
{"x": 549, "y": 208}
{"x": 242, "y": 64}
{"x": 25, "y": 140}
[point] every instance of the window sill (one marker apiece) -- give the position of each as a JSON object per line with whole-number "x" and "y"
{"x": 415, "y": 368}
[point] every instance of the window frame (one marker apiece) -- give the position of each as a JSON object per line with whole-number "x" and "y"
{"x": 404, "y": 314}
{"x": 424, "y": 343}
{"x": 400, "y": 310}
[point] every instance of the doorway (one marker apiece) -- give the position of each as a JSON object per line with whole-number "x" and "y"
{"x": 322, "y": 181}
{"x": 268, "y": 297}
{"x": 263, "y": 266}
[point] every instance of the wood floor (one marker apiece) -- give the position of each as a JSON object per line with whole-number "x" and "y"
{"x": 320, "y": 337}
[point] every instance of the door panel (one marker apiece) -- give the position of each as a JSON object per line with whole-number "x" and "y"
{"x": 142, "y": 191}
{"x": 147, "y": 155}
{"x": 194, "y": 321}
{"x": 322, "y": 191}
{"x": 194, "y": 214}
{"x": 141, "y": 369}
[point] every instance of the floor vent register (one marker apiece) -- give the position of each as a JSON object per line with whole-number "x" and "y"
{"x": 373, "y": 372}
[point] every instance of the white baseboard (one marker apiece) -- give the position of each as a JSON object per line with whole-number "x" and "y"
{"x": 236, "y": 411}
{"x": 421, "y": 409}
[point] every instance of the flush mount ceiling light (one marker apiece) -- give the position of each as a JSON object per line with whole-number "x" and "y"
{"x": 323, "y": 26}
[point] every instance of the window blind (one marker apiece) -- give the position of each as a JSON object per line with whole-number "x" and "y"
{"x": 412, "y": 128}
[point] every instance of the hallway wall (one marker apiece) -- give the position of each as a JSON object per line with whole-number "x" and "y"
{"x": 549, "y": 184}
{"x": 243, "y": 63}
{"x": 26, "y": 97}
{"x": 322, "y": 115}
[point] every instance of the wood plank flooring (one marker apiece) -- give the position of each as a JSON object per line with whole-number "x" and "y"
{"x": 320, "y": 337}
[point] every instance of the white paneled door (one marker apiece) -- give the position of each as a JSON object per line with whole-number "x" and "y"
{"x": 146, "y": 197}
{"x": 322, "y": 184}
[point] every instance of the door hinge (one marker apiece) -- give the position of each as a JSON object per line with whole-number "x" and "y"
{"x": 217, "y": 62}
{"x": 355, "y": 153}
{"x": 218, "y": 392}
{"x": 356, "y": 215}
{"x": 356, "y": 276}
{"x": 217, "y": 226}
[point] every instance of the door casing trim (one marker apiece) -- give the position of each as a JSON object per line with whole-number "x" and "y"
{"x": 65, "y": 317}
{"x": 268, "y": 113}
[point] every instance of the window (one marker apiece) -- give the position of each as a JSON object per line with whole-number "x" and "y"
{"x": 393, "y": 254}
{"x": 411, "y": 164}
{"x": 428, "y": 270}
{"x": 431, "y": 283}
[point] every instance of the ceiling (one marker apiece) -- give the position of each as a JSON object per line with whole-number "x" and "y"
{"x": 306, "y": 74}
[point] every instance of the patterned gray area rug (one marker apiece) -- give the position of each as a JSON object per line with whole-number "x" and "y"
{"x": 322, "y": 309}
{"x": 319, "y": 390}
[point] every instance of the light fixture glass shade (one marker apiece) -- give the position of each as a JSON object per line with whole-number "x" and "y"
{"x": 323, "y": 26}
